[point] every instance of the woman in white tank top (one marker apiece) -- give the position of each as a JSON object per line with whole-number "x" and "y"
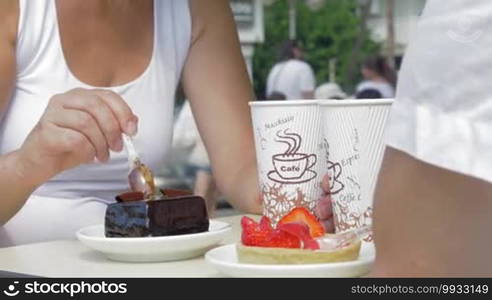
{"x": 75, "y": 75}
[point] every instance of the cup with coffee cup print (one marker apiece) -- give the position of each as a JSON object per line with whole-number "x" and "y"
{"x": 353, "y": 141}
{"x": 288, "y": 154}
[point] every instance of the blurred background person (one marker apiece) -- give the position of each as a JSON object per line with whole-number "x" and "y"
{"x": 330, "y": 90}
{"x": 276, "y": 96}
{"x": 197, "y": 164}
{"x": 369, "y": 94}
{"x": 291, "y": 75}
{"x": 379, "y": 76}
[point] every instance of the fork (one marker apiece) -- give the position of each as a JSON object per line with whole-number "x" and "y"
{"x": 341, "y": 240}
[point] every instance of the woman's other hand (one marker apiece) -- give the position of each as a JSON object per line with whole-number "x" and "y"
{"x": 77, "y": 127}
{"x": 324, "y": 207}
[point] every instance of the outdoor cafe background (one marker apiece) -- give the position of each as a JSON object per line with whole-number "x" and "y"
{"x": 336, "y": 36}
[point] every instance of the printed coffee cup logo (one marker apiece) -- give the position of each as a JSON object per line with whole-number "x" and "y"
{"x": 334, "y": 172}
{"x": 465, "y": 30}
{"x": 292, "y": 167}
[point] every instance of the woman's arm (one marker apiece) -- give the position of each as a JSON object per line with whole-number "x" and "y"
{"x": 429, "y": 221}
{"x": 14, "y": 185}
{"x": 9, "y": 12}
{"x": 218, "y": 87}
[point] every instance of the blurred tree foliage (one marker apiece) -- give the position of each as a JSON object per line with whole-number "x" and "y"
{"x": 325, "y": 33}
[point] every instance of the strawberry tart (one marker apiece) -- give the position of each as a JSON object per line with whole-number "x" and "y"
{"x": 293, "y": 241}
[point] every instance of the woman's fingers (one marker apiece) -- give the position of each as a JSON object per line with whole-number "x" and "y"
{"x": 325, "y": 213}
{"x": 78, "y": 144}
{"x": 329, "y": 225}
{"x": 324, "y": 208}
{"x": 84, "y": 123}
{"x": 127, "y": 120}
{"x": 76, "y": 127}
{"x": 111, "y": 113}
{"x": 102, "y": 114}
{"x": 325, "y": 183}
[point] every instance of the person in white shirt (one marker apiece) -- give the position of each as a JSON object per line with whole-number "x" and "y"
{"x": 329, "y": 90}
{"x": 433, "y": 202}
{"x": 379, "y": 76}
{"x": 291, "y": 76}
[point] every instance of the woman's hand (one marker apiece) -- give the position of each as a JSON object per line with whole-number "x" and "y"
{"x": 76, "y": 128}
{"x": 324, "y": 206}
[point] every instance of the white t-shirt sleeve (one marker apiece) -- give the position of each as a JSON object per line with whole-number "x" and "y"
{"x": 443, "y": 109}
{"x": 307, "y": 80}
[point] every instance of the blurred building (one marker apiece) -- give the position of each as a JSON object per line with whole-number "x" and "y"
{"x": 249, "y": 19}
{"x": 406, "y": 16}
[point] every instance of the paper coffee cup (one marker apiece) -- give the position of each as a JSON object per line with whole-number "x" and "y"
{"x": 289, "y": 155}
{"x": 353, "y": 143}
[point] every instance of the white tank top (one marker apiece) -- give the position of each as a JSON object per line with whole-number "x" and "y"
{"x": 78, "y": 197}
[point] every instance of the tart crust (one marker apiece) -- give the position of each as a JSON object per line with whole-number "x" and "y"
{"x": 284, "y": 256}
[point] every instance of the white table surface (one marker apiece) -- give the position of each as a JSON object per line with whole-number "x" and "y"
{"x": 70, "y": 258}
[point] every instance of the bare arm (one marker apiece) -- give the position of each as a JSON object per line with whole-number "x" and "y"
{"x": 217, "y": 84}
{"x": 8, "y": 32}
{"x": 429, "y": 221}
{"x": 14, "y": 185}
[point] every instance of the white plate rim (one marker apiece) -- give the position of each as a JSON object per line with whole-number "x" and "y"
{"x": 223, "y": 228}
{"x": 209, "y": 257}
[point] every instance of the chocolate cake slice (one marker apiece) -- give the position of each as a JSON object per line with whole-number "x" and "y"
{"x": 131, "y": 217}
{"x": 127, "y": 220}
{"x": 179, "y": 215}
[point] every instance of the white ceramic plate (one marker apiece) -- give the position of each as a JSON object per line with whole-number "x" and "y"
{"x": 154, "y": 249}
{"x": 224, "y": 259}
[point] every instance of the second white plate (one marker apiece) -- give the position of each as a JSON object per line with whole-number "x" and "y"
{"x": 224, "y": 259}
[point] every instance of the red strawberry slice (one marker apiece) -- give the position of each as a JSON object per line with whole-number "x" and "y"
{"x": 301, "y": 231}
{"x": 281, "y": 239}
{"x": 266, "y": 224}
{"x": 263, "y": 235}
{"x": 247, "y": 223}
{"x": 252, "y": 235}
{"x": 302, "y": 215}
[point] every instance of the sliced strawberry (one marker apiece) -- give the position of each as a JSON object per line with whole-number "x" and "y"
{"x": 301, "y": 231}
{"x": 302, "y": 215}
{"x": 281, "y": 239}
{"x": 266, "y": 224}
{"x": 252, "y": 234}
{"x": 263, "y": 235}
{"x": 247, "y": 223}
{"x": 257, "y": 239}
